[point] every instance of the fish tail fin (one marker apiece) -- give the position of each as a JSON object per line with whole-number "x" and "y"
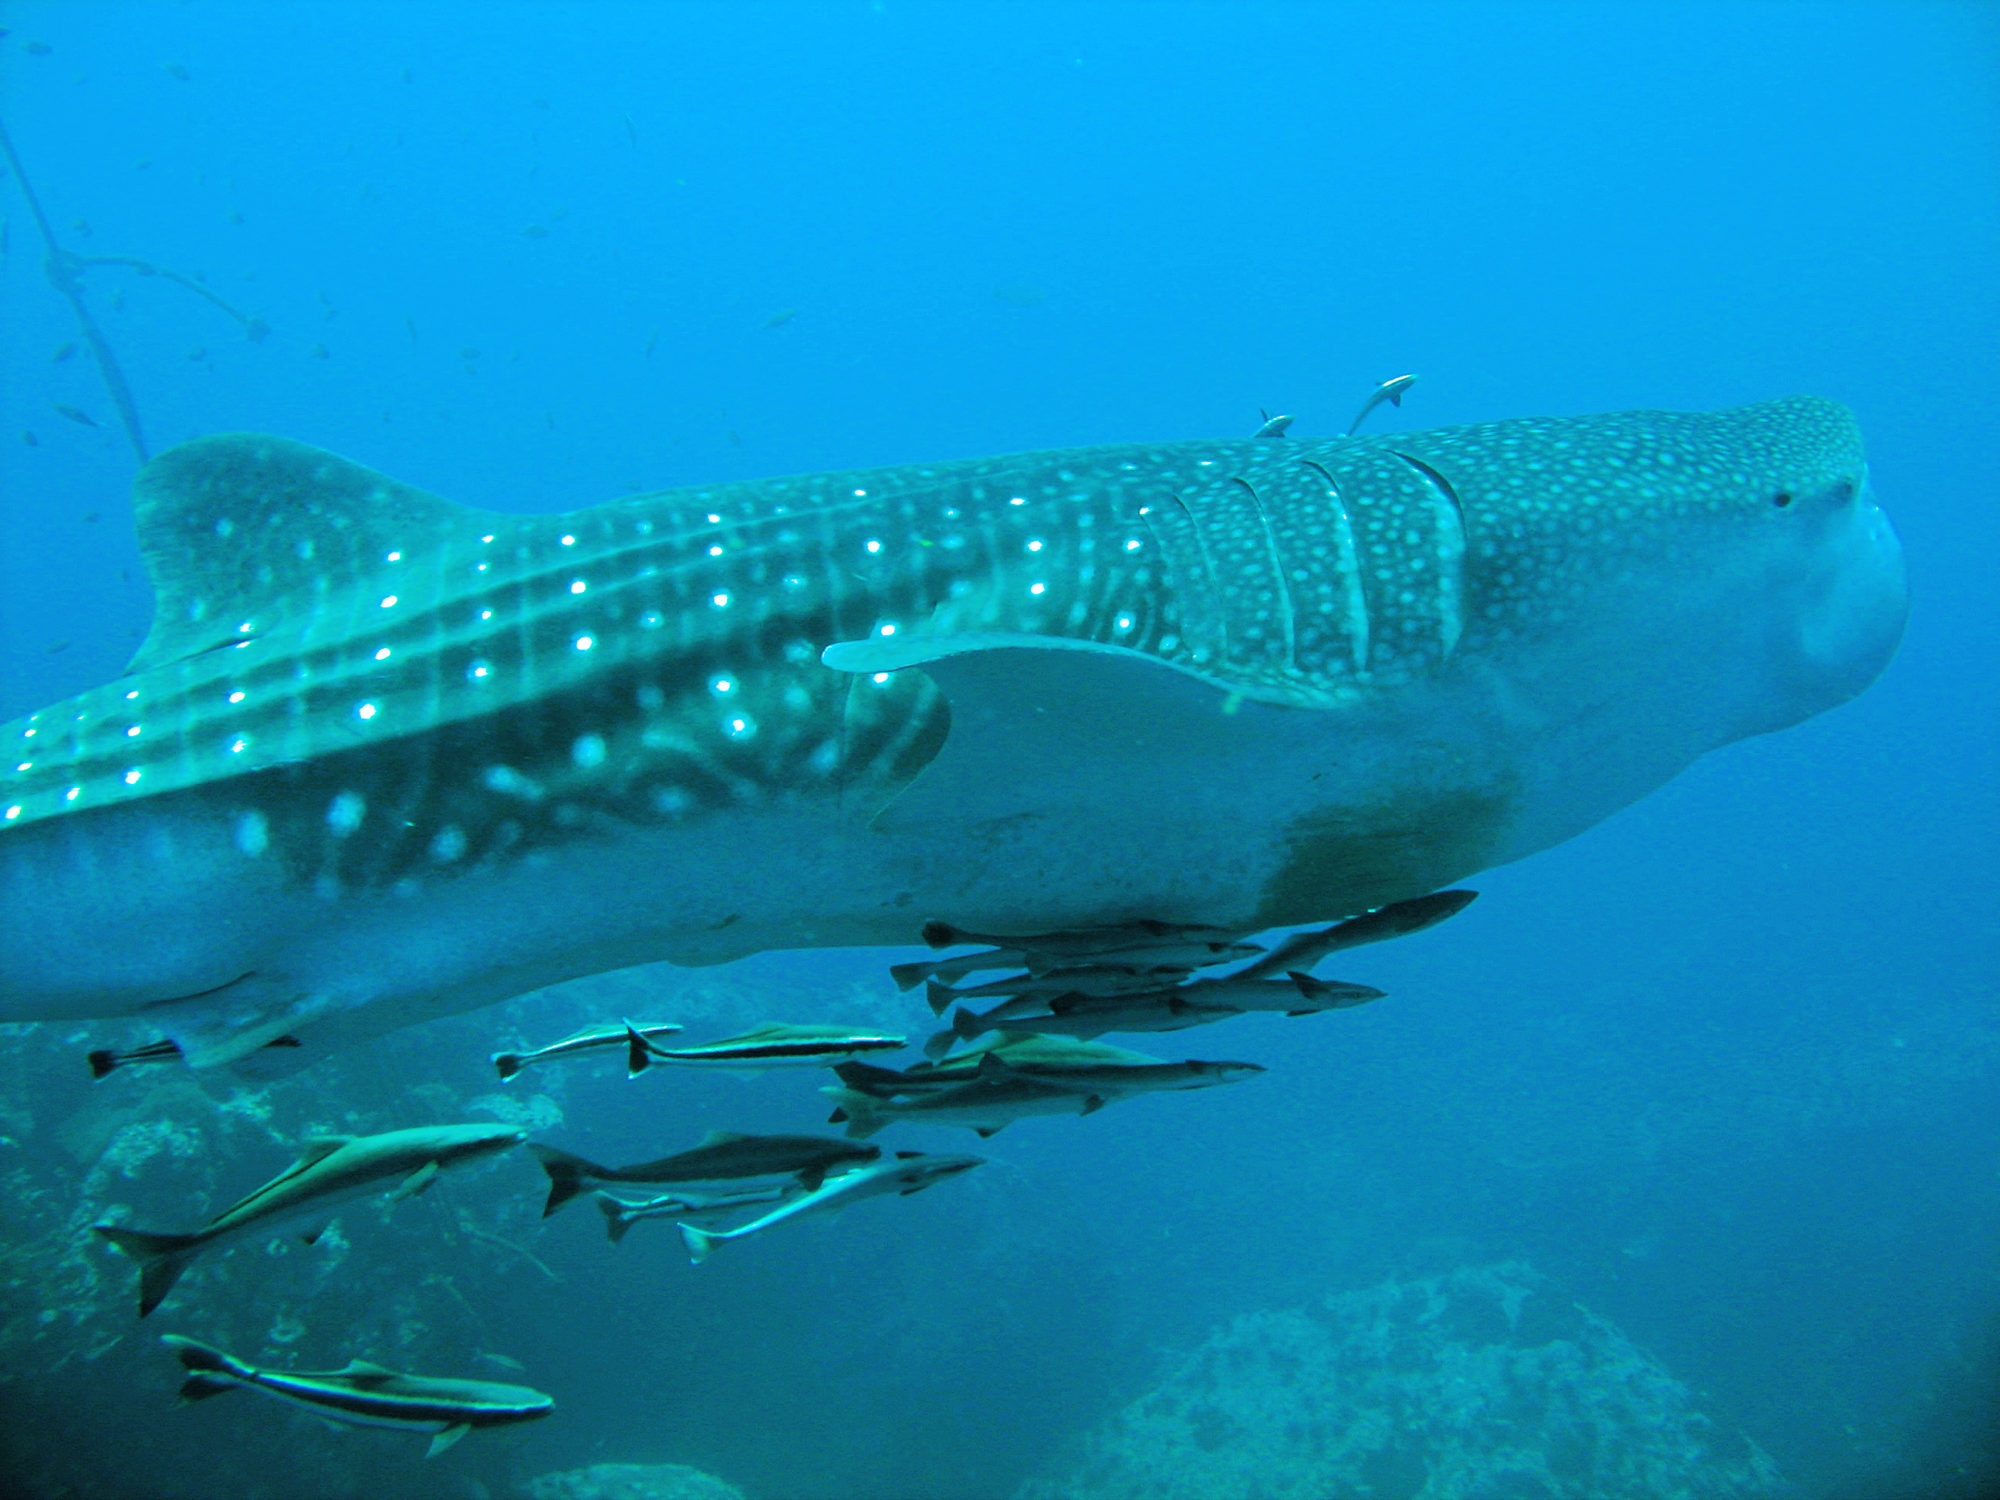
{"x": 699, "y": 1242}
{"x": 210, "y": 1371}
{"x": 103, "y": 1063}
{"x": 616, "y": 1220}
{"x": 940, "y": 997}
{"x": 568, "y": 1175}
{"x": 940, "y": 1043}
{"x": 200, "y": 1358}
{"x": 968, "y": 1027}
{"x": 908, "y": 976}
{"x": 506, "y": 1064}
{"x": 161, "y": 1258}
{"x": 943, "y": 935}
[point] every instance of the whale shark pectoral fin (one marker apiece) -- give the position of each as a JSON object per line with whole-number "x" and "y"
{"x": 1036, "y": 717}
{"x": 230, "y": 525}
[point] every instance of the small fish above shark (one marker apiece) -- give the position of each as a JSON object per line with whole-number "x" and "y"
{"x": 384, "y": 757}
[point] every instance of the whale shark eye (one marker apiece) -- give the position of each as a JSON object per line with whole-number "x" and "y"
{"x": 1782, "y": 499}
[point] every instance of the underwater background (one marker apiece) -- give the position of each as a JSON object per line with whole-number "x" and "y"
{"x": 1672, "y": 1167}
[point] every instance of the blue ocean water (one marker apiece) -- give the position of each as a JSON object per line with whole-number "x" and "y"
{"x": 1727, "y": 1066}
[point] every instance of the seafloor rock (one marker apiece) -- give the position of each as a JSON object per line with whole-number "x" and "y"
{"x": 630, "y": 1482}
{"x": 1487, "y": 1384}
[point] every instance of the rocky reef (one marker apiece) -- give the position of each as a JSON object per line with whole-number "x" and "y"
{"x": 1484, "y": 1384}
{"x": 429, "y": 1285}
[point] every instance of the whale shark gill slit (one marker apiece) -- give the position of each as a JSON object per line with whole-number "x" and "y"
{"x": 1451, "y": 546}
{"x": 1287, "y": 611}
{"x": 1348, "y": 561}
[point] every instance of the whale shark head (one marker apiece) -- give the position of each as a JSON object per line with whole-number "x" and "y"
{"x": 1740, "y": 553}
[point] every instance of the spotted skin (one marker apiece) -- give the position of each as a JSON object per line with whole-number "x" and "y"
{"x": 1387, "y": 649}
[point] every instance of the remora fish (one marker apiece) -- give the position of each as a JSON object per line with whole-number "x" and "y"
{"x": 1082, "y": 1016}
{"x": 1001, "y": 1092}
{"x": 1153, "y": 957}
{"x": 1296, "y": 994}
{"x": 1030, "y": 1054}
{"x": 384, "y": 758}
{"x": 590, "y": 1039}
{"x": 1027, "y": 987}
{"x": 700, "y": 1208}
{"x": 330, "y": 1171}
{"x": 775, "y": 1044}
{"x": 987, "y": 1103}
{"x": 722, "y": 1156}
{"x": 365, "y": 1395}
{"x": 911, "y": 1172}
{"x": 1398, "y": 919}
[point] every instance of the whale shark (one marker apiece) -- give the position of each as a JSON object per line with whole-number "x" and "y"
{"x": 385, "y": 757}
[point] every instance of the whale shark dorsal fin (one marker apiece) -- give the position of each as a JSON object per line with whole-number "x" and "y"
{"x": 366, "y": 1372}
{"x": 229, "y": 526}
{"x": 722, "y": 1137}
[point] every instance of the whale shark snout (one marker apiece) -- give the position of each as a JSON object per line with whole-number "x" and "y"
{"x": 1853, "y": 608}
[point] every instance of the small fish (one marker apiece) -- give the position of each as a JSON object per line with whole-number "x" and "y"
{"x": 631, "y": 132}
{"x": 1390, "y": 391}
{"x": 81, "y": 418}
{"x": 910, "y": 1172}
{"x": 331, "y": 1171}
{"x": 37, "y": 49}
{"x": 987, "y": 1103}
{"x": 781, "y": 317}
{"x": 1398, "y": 919}
{"x": 722, "y": 1156}
{"x": 364, "y": 1394}
{"x": 1026, "y": 1052}
{"x": 1085, "y": 1016}
{"x": 909, "y": 976}
{"x": 1295, "y": 995}
{"x": 590, "y": 1039}
{"x": 772, "y": 1045}
{"x": 317, "y": 351}
{"x": 620, "y": 1216}
{"x": 178, "y": 70}
{"x": 55, "y": 648}
{"x": 104, "y": 1062}
{"x": 468, "y": 353}
{"x": 199, "y": 351}
{"x": 63, "y": 351}
{"x": 1090, "y": 981}
{"x": 1117, "y": 1080}
{"x": 30, "y": 439}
